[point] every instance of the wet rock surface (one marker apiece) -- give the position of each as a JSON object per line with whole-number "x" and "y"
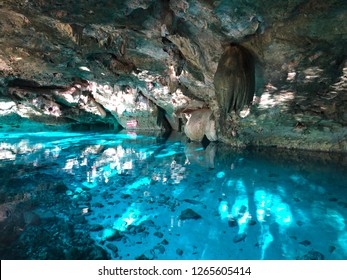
{"x": 144, "y": 64}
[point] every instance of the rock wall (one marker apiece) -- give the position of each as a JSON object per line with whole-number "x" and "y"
{"x": 144, "y": 62}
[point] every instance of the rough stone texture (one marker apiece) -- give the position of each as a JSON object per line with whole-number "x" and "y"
{"x": 200, "y": 123}
{"x": 106, "y": 63}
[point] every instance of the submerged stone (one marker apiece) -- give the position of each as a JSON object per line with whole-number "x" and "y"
{"x": 232, "y": 223}
{"x": 147, "y": 255}
{"x": 113, "y": 235}
{"x": 189, "y": 214}
{"x": 95, "y": 227}
{"x": 158, "y": 234}
{"x": 179, "y": 252}
{"x": 332, "y": 249}
{"x": 313, "y": 255}
{"x": 239, "y": 237}
{"x": 305, "y": 243}
{"x": 112, "y": 247}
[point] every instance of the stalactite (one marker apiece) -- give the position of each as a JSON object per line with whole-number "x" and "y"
{"x": 234, "y": 79}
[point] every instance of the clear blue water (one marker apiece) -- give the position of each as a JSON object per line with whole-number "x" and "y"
{"x": 131, "y": 196}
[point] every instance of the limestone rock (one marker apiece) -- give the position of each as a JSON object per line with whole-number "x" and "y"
{"x": 199, "y": 124}
{"x": 78, "y": 60}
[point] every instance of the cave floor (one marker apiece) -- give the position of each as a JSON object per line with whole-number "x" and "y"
{"x": 131, "y": 196}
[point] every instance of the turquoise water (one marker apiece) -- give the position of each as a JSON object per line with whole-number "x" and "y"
{"x": 132, "y": 196}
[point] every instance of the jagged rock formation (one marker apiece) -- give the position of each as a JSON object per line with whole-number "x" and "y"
{"x": 140, "y": 64}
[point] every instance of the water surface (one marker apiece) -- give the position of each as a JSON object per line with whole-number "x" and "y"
{"x": 132, "y": 196}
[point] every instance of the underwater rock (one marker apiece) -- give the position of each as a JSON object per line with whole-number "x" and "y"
{"x": 331, "y": 249}
{"x": 179, "y": 252}
{"x": 158, "y": 249}
{"x": 158, "y": 234}
{"x": 125, "y": 196}
{"x": 31, "y": 218}
{"x": 46, "y": 216}
{"x": 232, "y": 223}
{"x": 112, "y": 247}
{"x": 60, "y": 187}
{"x": 98, "y": 205}
{"x": 305, "y": 243}
{"x": 147, "y": 223}
{"x": 165, "y": 242}
{"x": 299, "y": 223}
{"x": 189, "y": 214}
{"x": 342, "y": 204}
{"x": 192, "y": 201}
{"x": 239, "y": 237}
{"x": 114, "y": 235}
{"x": 147, "y": 255}
{"x": 313, "y": 255}
{"x": 96, "y": 227}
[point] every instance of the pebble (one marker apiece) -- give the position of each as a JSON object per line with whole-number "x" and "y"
{"x": 232, "y": 223}
{"x": 159, "y": 234}
{"x": 331, "y": 249}
{"x": 313, "y": 255}
{"x": 147, "y": 255}
{"x": 95, "y": 227}
{"x": 189, "y": 214}
{"x": 179, "y": 252}
{"x": 305, "y": 243}
{"x": 165, "y": 242}
{"x": 112, "y": 247}
{"x": 239, "y": 237}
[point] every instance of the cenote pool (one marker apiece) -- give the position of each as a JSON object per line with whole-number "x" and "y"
{"x": 132, "y": 196}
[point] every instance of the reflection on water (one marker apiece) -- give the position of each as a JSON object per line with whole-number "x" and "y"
{"x": 129, "y": 196}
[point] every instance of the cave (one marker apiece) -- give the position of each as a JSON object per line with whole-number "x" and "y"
{"x": 173, "y": 130}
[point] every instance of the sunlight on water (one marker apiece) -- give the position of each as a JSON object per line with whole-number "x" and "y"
{"x": 129, "y": 196}
{"x": 132, "y": 216}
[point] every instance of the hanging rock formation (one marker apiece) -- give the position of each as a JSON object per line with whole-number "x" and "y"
{"x": 234, "y": 81}
{"x": 117, "y": 63}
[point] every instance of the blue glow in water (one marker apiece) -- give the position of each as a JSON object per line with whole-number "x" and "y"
{"x": 230, "y": 183}
{"x": 271, "y": 208}
{"x": 265, "y": 239}
{"x": 298, "y": 179}
{"x": 342, "y": 241}
{"x": 134, "y": 196}
{"x": 107, "y": 233}
{"x": 223, "y": 209}
{"x": 167, "y": 154}
{"x": 220, "y": 174}
{"x": 240, "y": 206}
{"x": 137, "y": 184}
{"x": 132, "y": 216}
{"x": 335, "y": 219}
